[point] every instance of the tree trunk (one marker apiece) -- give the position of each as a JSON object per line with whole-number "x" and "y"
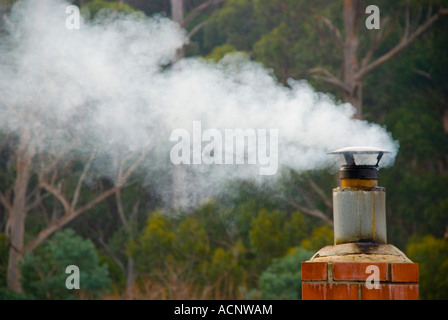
{"x": 177, "y": 14}
{"x": 355, "y": 98}
{"x": 179, "y": 174}
{"x": 130, "y": 277}
{"x": 17, "y": 215}
{"x": 179, "y": 184}
{"x": 445, "y": 121}
{"x": 177, "y": 11}
{"x": 353, "y": 93}
{"x": 353, "y": 70}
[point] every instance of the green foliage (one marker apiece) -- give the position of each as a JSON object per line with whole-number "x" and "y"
{"x": 432, "y": 256}
{"x": 408, "y": 95}
{"x": 7, "y": 294}
{"x": 217, "y": 244}
{"x": 194, "y": 248}
{"x": 280, "y": 34}
{"x": 226, "y": 265}
{"x": 220, "y": 51}
{"x": 102, "y": 7}
{"x": 419, "y": 131}
{"x": 116, "y": 275}
{"x": 282, "y": 279}
{"x": 273, "y": 232}
{"x": 235, "y": 24}
{"x": 155, "y": 245}
{"x": 266, "y": 234}
{"x": 43, "y": 271}
{"x": 428, "y": 213}
{"x": 320, "y": 237}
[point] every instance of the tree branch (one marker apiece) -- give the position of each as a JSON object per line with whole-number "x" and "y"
{"x": 134, "y": 212}
{"x": 312, "y": 212}
{"x": 329, "y": 78}
{"x": 405, "y": 41}
{"x": 328, "y": 202}
{"x": 67, "y": 217}
{"x": 81, "y": 179}
{"x": 61, "y": 154}
{"x": 120, "y": 209}
{"x": 95, "y": 201}
{"x": 6, "y": 203}
{"x": 407, "y": 19}
{"x": 196, "y": 29}
{"x": 375, "y": 39}
{"x": 58, "y": 195}
{"x": 69, "y": 210}
{"x": 38, "y": 199}
{"x": 112, "y": 255}
{"x": 333, "y": 29}
{"x": 196, "y": 11}
{"x": 125, "y": 177}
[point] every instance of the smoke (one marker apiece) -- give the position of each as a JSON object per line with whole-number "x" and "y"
{"x": 110, "y": 86}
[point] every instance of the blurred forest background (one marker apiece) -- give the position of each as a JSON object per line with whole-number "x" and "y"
{"x": 248, "y": 242}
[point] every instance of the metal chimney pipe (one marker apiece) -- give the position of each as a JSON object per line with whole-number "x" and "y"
{"x": 344, "y": 271}
{"x": 359, "y": 204}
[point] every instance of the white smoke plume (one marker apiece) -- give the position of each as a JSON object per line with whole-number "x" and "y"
{"x": 110, "y": 84}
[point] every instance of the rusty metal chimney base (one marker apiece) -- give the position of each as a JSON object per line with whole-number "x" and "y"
{"x": 359, "y": 215}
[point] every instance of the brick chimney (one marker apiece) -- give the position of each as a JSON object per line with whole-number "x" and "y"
{"x": 360, "y": 265}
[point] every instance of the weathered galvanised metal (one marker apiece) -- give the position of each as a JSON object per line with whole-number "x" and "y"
{"x": 359, "y": 204}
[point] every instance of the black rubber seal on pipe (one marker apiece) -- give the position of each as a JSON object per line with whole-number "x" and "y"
{"x": 359, "y": 172}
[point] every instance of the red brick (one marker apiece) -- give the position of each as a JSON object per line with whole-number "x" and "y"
{"x": 357, "y": 270}
{"x": 324, "y": 291}
{"x": 391, "y": 292}
{"x": 314, "y": 271}
{"x": 404, "y": 272}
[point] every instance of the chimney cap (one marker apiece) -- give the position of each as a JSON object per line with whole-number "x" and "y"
{"x": 360, "y": 162}
{"x": 355, "y": 150}
{"x": 350, "y": 152}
